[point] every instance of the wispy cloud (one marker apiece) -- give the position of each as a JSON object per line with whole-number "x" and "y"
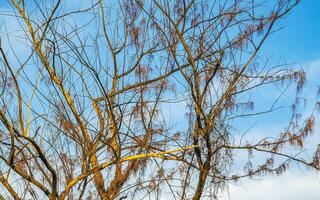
{"x": 294, "y": 185}
{"x": 297, "y": 183}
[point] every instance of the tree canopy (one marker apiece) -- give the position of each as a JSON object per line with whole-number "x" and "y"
{"x": 92, "y": 94}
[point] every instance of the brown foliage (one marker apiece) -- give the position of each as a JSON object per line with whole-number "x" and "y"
{"x": 99, "y": 117}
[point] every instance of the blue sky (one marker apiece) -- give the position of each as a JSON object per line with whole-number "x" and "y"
{"x": 297, "y": 42}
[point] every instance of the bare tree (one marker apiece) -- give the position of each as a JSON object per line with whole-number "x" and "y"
{"x": 84, "y": 109}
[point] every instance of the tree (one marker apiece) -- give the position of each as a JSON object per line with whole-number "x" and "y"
{"x": 84, "y": 107}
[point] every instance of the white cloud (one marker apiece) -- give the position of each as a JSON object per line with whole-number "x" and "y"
{"x": 313, "y": 70}
{"x": 293, "y": 185}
